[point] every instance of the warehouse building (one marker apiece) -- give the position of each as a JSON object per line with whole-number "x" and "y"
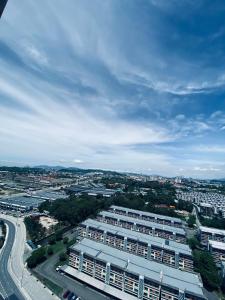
{"x": 207, "y": 233}
{"x": 146, "y": 216}
{"x": 168, "y": 252}
{"x": 110, "y": 270}
{"x": 20, "y": 203}
{"x": 218, "y": 250}
{"x": 150, "y": 228}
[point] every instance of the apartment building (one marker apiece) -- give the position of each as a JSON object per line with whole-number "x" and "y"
{"x": 207, "y": 233}
{"x": 218, "y": 250}
{"x": 165, "y": 220}
{"x": 111, "y": 270}
{"x": 147, "y": 227}
{"x": 168, "y": 252}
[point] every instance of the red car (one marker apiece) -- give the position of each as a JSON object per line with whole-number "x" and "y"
{"x": 65, "y": 295}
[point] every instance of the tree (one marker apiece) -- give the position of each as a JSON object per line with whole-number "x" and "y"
{"x": 58, "y": 235}
{"x": 205, "y": 265}
{"x": 191, "y": 221}
{"x": 193, "y": 243}
{"x": 34, "y": 228}
{"x": 52, "y": 240}
{"x": 50, "y": 250}
{"x": 65, "y": 240}
{"x": 37, "y": 257}
{"x": 62, "y": 256}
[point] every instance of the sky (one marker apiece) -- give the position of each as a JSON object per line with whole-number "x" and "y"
{"x": 126, "y": 85}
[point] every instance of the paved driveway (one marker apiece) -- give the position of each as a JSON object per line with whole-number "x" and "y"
{"x": 47, "y": 270}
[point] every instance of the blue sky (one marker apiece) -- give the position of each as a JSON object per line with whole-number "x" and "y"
{"x": 116, "y": 84}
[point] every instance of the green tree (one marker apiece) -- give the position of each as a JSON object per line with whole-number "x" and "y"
{"x": 52, "y": 240}
{"x": 193, "y": 243}
{"x": 205, "y": 265}
{"x": 65, "y": 240}
{"x": 50, "y": 250}
{"x": 62, "y": 256}
{"x": 191, "y": 221}
{"x": 37, "y": 257}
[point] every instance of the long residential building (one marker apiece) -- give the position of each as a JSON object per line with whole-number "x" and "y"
{"x": 218, "y": 250}
{"x": 208, "y": 233}
{"x": 134, "y": 277}
{"x": 150, "y": 228}
{"x": 168, "y": 252}
{"x": 146, "y": 216}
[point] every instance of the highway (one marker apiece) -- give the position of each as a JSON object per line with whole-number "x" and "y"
{"x": 8, "y": 288}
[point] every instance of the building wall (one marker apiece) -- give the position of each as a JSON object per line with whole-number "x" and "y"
{"x": 144, "y": 229}
{"x": 142, "y": 288}
{"x": 143, "y": 216}
{"x": 136, "y": 247}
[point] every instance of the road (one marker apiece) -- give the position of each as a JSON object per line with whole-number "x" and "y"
{"x": 29, "y": 286}
{"x": 8, "y": 287}
{"x": 46, "y": 269}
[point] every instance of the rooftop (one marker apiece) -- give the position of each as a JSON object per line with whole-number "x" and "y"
{"x": 146, "y": 213}
{"x": 217, "y": 245}
{"x": 21, "y": 201}
{"x": 212, "y": 230}
{"x": 152, "y": 240}
{"x": 143, "y": 222}
{"x": 155, "y": 271}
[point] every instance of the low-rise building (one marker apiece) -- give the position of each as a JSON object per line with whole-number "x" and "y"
{"x": 208, "y": 233}
{"x": 176, "y": 222}
{"x": 168, "y": 252}
{"x": 151, "y": 228}
{"x": 218, "y": 250}
{"x": 110, "y": 269}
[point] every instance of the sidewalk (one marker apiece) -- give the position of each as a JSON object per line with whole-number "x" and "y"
{"x": 30, "y": 287}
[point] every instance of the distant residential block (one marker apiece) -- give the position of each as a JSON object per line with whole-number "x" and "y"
{"x": 207, "y": 233}
{"x": 168, "y": 252}
{"x": 151, "y": 228}
{"x": 165, "y": 220}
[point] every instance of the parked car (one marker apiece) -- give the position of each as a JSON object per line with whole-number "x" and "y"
{"x": 66, "y": 294}
{"x": 70, "y": 296}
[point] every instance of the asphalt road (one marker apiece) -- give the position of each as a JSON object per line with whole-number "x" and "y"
{"x": 8, "y": 288}
{"x": 46, "y": 269}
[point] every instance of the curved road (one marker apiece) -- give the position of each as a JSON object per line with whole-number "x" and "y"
{"x": 8, "y": 288}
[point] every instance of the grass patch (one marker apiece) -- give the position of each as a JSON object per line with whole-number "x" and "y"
{"x": 57, "y": 290}
{"x": 52, "y": 286}
{"x": 57, "y": 247}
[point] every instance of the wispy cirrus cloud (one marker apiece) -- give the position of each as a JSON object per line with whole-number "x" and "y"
{"x": 117, "y": 85}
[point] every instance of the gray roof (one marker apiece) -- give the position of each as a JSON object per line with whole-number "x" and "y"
{"x": 143, "y": 222}
{"x": 150, "y": 269}
{"x": 50, "y": 194}
{"x": 145, "y": 238}
{"x": 21, "y": 201}
{"x": 212, "y": 230}
{"x": 144, "y": 213}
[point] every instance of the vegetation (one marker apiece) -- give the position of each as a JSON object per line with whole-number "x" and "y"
{"x": 158, "y": 198}
{"x": 50, "y": 250}
{"x": 75, "y": 209}
{"x": 194, "y": 243}
{"x": 215, "y": 222}
{"x": 191, "y": 221}
{"x": 37, "y": 257}
{"x": 3, "y": 228}
{"x": 205, "y": 265}
{"x": 34, "y": 228}
{"x": 51, "y": 285}
{"x": 65, "y": 240}
{"x": 62, "y": 256}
